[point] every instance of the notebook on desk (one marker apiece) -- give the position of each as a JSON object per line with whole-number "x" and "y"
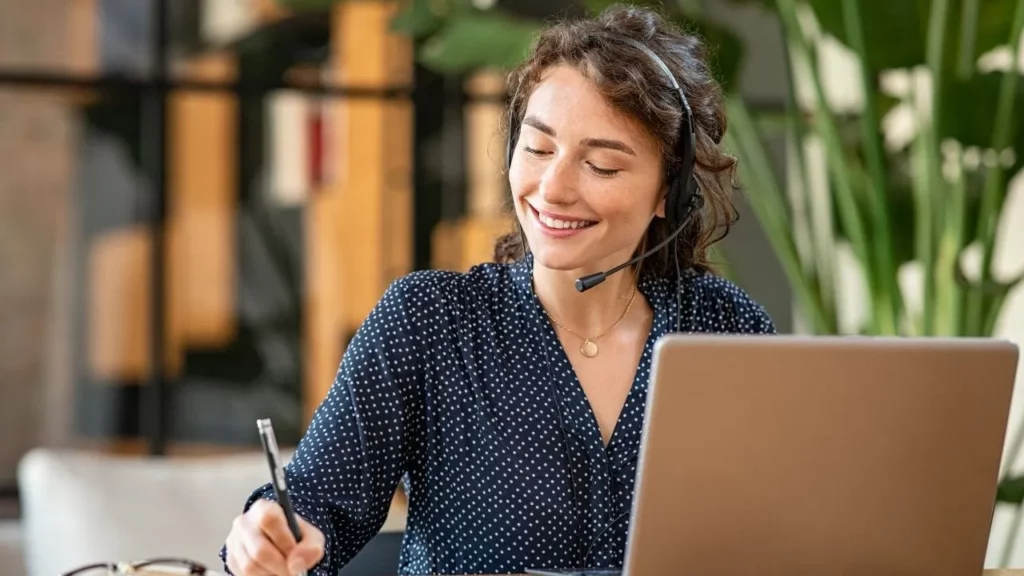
{"x": 782, "y": 455}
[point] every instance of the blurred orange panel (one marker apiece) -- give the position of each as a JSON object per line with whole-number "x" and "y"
{"x": 202, "y": 209}
{"x": 83, "y": 37}
{"x": 477, "y": 237}
{"x": 322, "y": 344}
{"x": 446, "y": 248}
{"x": 460, "y": 244}
{"x": 375, "y": 181}
{"x": 117, "y": 317}
{"x": 398, "y": 190}
{"x": 360, "y": 235}
{"x": 485, "y": 146}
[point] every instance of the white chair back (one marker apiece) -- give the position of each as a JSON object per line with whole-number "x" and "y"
{"x": 85, "y": 507}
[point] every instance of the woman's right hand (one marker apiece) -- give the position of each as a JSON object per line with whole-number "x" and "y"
{"x": 260, "y": 543}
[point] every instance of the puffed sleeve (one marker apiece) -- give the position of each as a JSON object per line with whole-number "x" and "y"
{"x": 750, "y": 317}
{"x": 722, "y": 306}
{"x": 347, "y": 466}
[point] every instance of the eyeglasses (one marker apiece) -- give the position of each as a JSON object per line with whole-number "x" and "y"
{"x": 154, "y": 567}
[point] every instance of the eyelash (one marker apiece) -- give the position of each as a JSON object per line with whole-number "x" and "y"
{"x": 604, "y": 173}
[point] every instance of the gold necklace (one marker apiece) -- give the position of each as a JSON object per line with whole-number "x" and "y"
{"x": 589, "y": 347}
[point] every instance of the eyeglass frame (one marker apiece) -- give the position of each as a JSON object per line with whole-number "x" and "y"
{"x": 194, "y": 568}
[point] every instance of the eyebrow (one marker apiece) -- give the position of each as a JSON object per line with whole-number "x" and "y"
{"x": 619, "y": 145}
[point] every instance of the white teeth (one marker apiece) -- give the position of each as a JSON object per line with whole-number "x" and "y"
{"x": 562, "y": 224}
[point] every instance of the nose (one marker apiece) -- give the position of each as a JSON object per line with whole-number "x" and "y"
{"x": 558, "y": 184}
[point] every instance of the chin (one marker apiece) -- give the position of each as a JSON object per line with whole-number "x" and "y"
{"x": 576, "y": 259}
{"x": 555, "y": 259}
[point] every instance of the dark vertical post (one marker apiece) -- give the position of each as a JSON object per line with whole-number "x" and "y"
{"x": 427, "y": 101}
{"x": 154, "y": 149}
{"x": 454, "y": 193}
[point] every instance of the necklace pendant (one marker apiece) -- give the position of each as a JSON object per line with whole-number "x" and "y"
{"x": 589, "y": 348}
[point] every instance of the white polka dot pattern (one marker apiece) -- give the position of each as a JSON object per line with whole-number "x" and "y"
{"x": 456, "y": 385}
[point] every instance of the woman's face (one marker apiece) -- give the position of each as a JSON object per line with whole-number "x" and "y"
{"x": 586, "y": 178}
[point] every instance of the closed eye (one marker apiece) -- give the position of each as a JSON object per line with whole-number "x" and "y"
{"x": 603, "y": 172}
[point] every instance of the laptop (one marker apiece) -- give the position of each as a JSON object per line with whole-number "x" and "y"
{"x": 789, "y": 455}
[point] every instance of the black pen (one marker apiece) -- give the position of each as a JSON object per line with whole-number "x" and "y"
{"x": 269, "y": 441}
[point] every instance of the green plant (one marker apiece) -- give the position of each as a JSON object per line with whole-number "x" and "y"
{"x": 894, "y": 205}
{"x": 921, "y": 204}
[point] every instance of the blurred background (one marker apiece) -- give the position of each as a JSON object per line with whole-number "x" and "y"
{"x": 200, "y": 201}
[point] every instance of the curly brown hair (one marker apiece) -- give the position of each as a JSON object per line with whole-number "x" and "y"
{"x": 636, "y": 85}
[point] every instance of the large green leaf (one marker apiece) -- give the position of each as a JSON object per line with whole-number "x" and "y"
{"x": 479, "y": 40}
{"x": 303, "y": 5}
{"x": 418, "y": 19}
{"x": 1011, "y": 490}
{"x": 895, "y": 30}
{"x": 994, "y": 23}
{"x": 970, "y": 106}
{"x": 598, "y": 6}
{"x": 768, "y": 4}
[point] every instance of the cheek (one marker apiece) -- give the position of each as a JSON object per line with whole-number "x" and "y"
{"x": 633, "y": 218}
{"x": 520, "y": 179}
{"x": 626, "y": 207}
{"x": 515, "y": 183}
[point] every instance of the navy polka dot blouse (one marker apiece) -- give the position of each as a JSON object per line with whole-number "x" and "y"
{"x": 457, "y": 386}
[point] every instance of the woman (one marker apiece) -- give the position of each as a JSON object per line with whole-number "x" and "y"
{"x": 510, "y": 401}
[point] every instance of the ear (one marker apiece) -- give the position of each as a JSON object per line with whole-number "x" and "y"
{"x": 659, "y": 210}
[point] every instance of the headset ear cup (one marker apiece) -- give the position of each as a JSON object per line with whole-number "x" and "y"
{"x": 672, "y": 203}
{"x": 678, "y": 212}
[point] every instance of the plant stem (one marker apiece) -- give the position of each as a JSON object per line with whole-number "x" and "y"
{"x": 932, "y": 162}
{"x": 769, "y": 204}
{"x": 923, "y": 221}
{"x": 968, "y": 37}
{"x": 950, "y": 294}
{"x": 819, "y": 234}
{"x": 826, "y": 127}
{"x": 888, "y": 286}
{"x": 948, "y": 290}
{"x": 994, "y": 192}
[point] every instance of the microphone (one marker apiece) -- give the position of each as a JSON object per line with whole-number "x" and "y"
{"x": 587, "y": 282}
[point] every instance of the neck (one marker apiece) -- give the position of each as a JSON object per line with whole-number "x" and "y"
{"x": 588, "y": 313}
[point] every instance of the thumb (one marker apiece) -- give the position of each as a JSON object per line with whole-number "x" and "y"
{"x": 309, "y": 551}
{"x": 303, "y": 557}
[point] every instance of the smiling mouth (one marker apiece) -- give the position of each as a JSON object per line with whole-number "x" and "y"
{"x": 556, "y": 224}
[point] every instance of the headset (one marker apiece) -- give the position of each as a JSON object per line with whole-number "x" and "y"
{"x": 683, "y": 198}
